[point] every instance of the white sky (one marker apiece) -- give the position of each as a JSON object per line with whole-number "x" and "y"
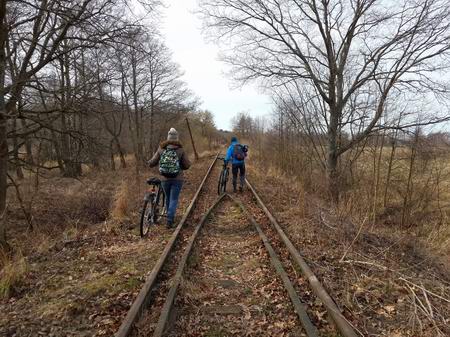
{"x": 204, "y": 73}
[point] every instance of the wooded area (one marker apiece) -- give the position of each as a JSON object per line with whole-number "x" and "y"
{"x": 354, "y": 162}
{"x": 340, "y": 70}
{"x": 360, "y": 92}
{"x": 84, "y": 82}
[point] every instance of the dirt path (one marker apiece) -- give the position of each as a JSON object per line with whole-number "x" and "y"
{"x": 230, "y": 288}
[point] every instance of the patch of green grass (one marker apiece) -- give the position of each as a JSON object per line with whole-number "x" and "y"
{"x": 104, "y": 284}
{"x": 133, "y": 283}
{"x": 100, "y": 285}
{"x": 126, "y": 267}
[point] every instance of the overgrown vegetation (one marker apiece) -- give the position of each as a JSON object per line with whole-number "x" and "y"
{"x": 358, "y": 135}
{"x": 397, "y": 179}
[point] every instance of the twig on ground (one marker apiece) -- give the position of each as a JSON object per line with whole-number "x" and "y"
{"x": 430, "y": 308}
{"x": 424, "y": 289}
{"x": 428, "y": 312}
{"x": 354, "y": 240}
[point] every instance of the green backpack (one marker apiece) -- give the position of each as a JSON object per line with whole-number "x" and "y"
{"x": 169, "y": 163}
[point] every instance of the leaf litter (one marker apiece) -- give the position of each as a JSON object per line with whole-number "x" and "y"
{"x": 85, "y": 282}
{"x": 230, "y": 288}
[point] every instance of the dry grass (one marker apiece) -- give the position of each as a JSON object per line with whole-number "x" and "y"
{"x": 369, "y": 281}
{"x": 12, "y": 274}
{"x": 425, "y": 212}
{"x": 121, "y": 206}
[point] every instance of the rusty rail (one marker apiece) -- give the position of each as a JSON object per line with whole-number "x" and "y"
{"x": 310, "y": 329}
{"x": 339, "y": 320}
{"x": 143, "y": 298}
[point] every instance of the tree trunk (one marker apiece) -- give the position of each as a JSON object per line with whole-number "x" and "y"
{"x": 407, "y": 198}
{"x": 17, "y": 166}
{"x": 377, "y": 166}
{"x": 137, "y": 120}
{"x": 59, "y": 158}
{"x": 332, "y": 157}
{"x": 152, "y": 121}
{"x": 111, "y": 149}
{"x": 72, "y": 169}
{"x": 123, "y": 163}
{"x": 389, "y": 171}
{"x": 28, "y": 148}
{"x": 3, "y": 172}
{"x": 3, "y": 128}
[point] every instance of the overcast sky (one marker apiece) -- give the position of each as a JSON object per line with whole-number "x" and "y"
{"x": 204, "y": 73}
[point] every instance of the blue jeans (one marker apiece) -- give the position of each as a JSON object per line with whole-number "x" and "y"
{"x": 172, "y": 190}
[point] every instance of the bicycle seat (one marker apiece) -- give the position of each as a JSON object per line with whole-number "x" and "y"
{"x": 153, "y": 181}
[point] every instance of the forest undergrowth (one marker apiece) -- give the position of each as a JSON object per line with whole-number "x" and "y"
{"x": 77, "y": 272}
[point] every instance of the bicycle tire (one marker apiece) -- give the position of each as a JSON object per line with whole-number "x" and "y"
{"x": 147, "y": 210}
{"x": 220, "y": 184}
{"x": 159, "y": 207}
{"x": 225, "y": 179}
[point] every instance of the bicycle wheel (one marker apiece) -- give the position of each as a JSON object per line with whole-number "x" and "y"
{"x": 225, "y": 180}
{"x": 159, "y": 207}
{"x": 220, "y": 184}
{"x": 146, "y": 216}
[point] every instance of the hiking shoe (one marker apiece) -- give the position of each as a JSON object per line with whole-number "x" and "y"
{"x": 169, "y": 224}
{"x": 241, "y": 188}
{"x": 234, "y": 189}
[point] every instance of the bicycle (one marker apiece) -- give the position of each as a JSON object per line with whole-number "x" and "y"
{"x": 223, "y": 178}
{"x": 153, "y": 208}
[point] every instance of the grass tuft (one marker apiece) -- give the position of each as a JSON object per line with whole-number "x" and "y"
{"x": 121, "y": 206}
{"x": 12, "y": 274}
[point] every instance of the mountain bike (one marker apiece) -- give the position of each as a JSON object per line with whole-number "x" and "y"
{"x": 223, "y": 178}
{"x": 153, "y": 209}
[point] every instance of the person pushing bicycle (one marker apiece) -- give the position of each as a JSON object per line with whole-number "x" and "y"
{"x": 237, "y": 153}
{"x": 172, "y": 161}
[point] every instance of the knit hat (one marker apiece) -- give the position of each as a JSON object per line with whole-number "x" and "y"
{"x": 234, "y": 139}
{"x": 172, "y": 135}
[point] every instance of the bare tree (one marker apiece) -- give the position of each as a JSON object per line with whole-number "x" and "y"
{"x": 33, "y": 35}
{"x": 351, "y": 55}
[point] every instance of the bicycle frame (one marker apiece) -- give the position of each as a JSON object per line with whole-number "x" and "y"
{"x": 155, "y": 191}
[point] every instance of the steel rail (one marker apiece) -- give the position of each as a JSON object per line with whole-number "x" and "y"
{"x": 310, "y": 329}
{"x": 167, "y": 308}
{"x": 143, "y": 298}
{"x": 338, "y": 318}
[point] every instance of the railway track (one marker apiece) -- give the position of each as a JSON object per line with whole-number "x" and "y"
{"x": 154, "y": 311}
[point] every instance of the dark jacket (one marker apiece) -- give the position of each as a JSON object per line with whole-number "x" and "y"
{"x": 184, "y": 160}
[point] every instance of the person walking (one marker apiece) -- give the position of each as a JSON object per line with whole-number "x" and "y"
{"x": 237, "y": 154}
{"x": 172, "y": 161}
